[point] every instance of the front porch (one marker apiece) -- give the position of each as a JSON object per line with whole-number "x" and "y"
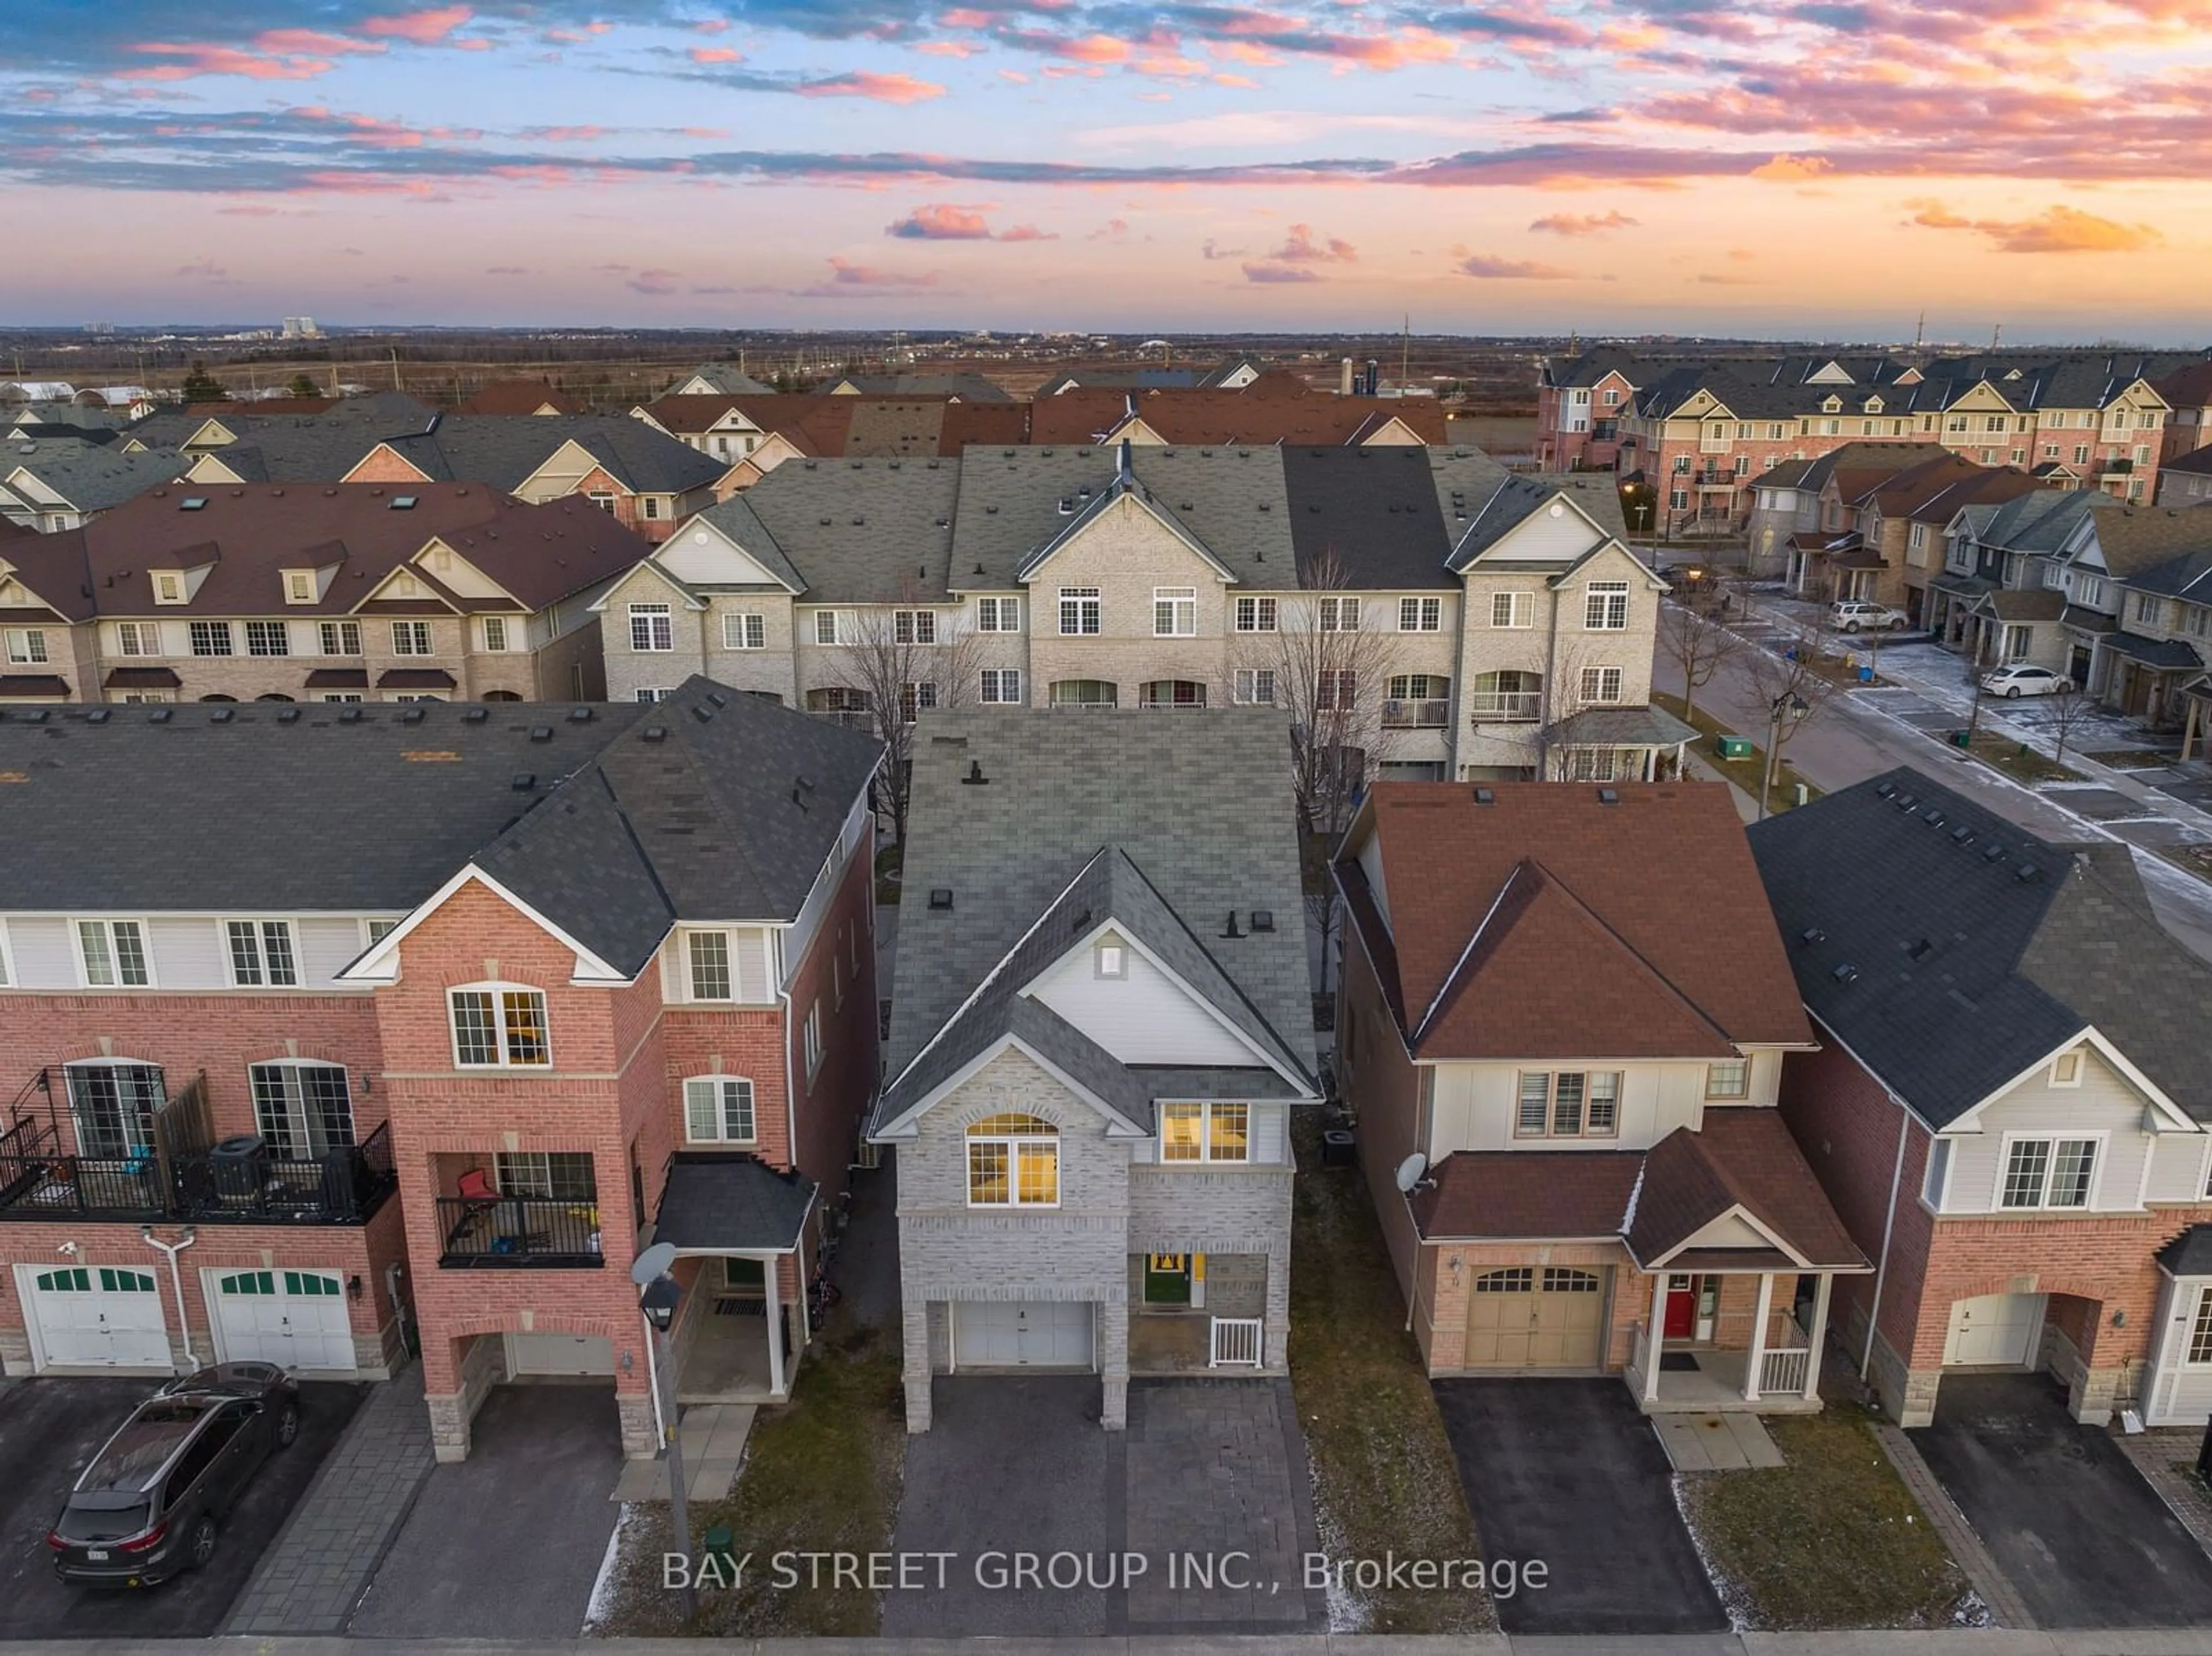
{"x": 1197, "y": 1314}
{"x": 739, "y": 1228}
{"x": 1778, "y": 1373}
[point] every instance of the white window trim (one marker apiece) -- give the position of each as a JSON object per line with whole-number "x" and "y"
{"x": 742, "y": 617}
{"x": 1739, "y": 1097}
{"x": 1015, "y": 1143}
{"x": 719, "y": 1081}
{"x": 729, "y": 964}
{"x": 1550, "y": 1135}
{"x": 223, "y": 923}
{"x": 1205, "y": 1157}
{"x": 649, "y": 613}
{"x": 1420, "y": 608}
{"x": 7, "y": 960}
{"x": 1518, "y": 604}
{"x": 505, "y": 635}
{"x": 1942, "y": 1196}
{"x": 2054, "y": 1138}
{"x": 496, "y": 990}
{"x": 110, "y": 921}
{"x": 814, "y": 1047}
{"x": 1179, "y": 601}
{"x": 430, "y": 640}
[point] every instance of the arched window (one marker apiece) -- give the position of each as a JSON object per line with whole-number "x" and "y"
{"x": 719, "y": 1110}
{"x": 1013, "y": 1162}
{"x": 500, "y": 695}
{"x": 302, "y": 1108}
{"x": 272, "y": 696}
{"x": 499, "y": 1026}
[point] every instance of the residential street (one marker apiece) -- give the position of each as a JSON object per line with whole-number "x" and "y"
{"x": 1863, "y": 733}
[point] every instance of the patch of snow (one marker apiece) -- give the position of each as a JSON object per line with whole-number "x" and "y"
{"x": 603, "y": 1585}
{"x": 1734, "y": 1599}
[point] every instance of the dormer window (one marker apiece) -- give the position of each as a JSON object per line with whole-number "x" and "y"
{"x": 299, "y": 586}
{"x": 1832, "y": 405}
{"x": 168, "y": 586}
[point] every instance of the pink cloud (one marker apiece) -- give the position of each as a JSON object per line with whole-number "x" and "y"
{"x": 199, "y": 58}
{"x": 851, "y": 281}
{"x": 942, "y": 222}
{"x": 1270, "y": 274}
{"x": 1583, "y": 224}
{"x": 1305, "y": 247}
{"x": 880, "y": 89}
{"x": 2057, "y": 229}
{"x": 717, "y": 54}
{"x": 656, "y": 282}
{"x": 1508, "y": 270}
{"x": 948, "y": 48}
{"x": 422, "y": 28}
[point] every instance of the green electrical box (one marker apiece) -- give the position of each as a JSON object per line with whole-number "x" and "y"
{"x": 1735, "y": 747}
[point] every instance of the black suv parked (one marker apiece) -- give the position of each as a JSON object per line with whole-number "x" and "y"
{"x": 151, "y": 1503}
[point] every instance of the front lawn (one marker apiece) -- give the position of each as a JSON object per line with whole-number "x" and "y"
{"x": 1383, "y": 1477}
{"x": 2019, "y": 760}
{"x": 821, "y": 1473}
{"x": 1744, "y": 772}
{"x": 1833, "y": 1539}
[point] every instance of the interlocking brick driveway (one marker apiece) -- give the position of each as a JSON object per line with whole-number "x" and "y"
{"x": 1017, "y": 1463}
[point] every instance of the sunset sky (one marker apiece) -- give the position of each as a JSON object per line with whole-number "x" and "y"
{"x": 1829, "y": 168}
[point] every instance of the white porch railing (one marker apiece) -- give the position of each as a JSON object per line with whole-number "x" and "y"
{"x": 1237, "y": 1343}
{"x": 1784, "y": 1371}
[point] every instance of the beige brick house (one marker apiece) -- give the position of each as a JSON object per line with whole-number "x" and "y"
{"x": 349, "y": 594}
{"x": 1503, "y": 629}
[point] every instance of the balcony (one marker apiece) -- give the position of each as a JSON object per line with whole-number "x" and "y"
{"x": 1416, "y": 715}
{"x": 518, "y": 1232}
{"x": 153, "y": 1184}
{"x": 1505, "y": 707}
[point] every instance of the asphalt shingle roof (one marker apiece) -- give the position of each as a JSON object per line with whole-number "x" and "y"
{"x": 1950, "y": 949}
{"x": 727, "y": 1199}
{"x": 90, "y": 476}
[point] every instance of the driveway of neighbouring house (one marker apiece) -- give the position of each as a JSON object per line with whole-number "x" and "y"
{"x": 1018, "y": 1464}
{"x": 2083, "y": 1538}
{"x": 50, "y": 1428}
{"x": 508, "y": 1543}
{"x": 1567, "y": 1471}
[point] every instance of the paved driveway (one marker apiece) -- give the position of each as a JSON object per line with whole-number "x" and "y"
{"x": 508, "y": 1543}
{"x": 1018, "y": 1464}
{"x": 2083, "y": 1538}
{"x": 50, "y": 1428}
{"x": 1568, "y": 1471}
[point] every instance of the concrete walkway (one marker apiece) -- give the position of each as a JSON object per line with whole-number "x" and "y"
{"x": 332, "y": 1546}
{"x": 715, "y": 1436}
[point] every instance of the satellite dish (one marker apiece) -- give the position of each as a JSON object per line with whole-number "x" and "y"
{"x": 653, "y": 1263}
{"x": 1410, "y": 1171}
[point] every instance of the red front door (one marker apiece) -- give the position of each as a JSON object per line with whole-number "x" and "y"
{"x": 1681, "y": 1308}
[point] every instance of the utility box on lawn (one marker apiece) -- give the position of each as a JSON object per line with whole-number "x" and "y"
{"x": 1735, "y": 747}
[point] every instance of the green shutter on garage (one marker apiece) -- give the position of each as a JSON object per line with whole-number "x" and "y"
{"x": 74, "y": 1280}
{"x": 311, "y": 1283}
{"x": 124, "y": 1282}
{"x": 249, "y": 1282}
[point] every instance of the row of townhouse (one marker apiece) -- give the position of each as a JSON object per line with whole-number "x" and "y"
{"x": 422, "y": 1044}
{"x": 1691, "y": 437}
{"x": 1855, "y": 522}
{"x": 58, "y": 483}
{"x": 2113, "y": 597}
{"x": 1894, "y": 1077}
{"x": 756, "y": 433}
{"x": 349, "y": 592}
{"x": 1504, "y": 630}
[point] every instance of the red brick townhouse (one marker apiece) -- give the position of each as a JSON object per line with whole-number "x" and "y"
{"x": 2010, "y": 1102}
{"x": 424, "y": 1016}
{"x": 1563, "y": 1016}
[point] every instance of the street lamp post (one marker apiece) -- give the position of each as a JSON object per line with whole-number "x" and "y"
{"x": 1795, "y": 708}
{"x": 660, "y": 1297}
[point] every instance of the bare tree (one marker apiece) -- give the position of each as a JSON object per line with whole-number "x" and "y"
{"x": 898, "y": 663}
{"x": 1793, "y": 694}
{"x": 2069, "y": 704}
{"x": 1697, "y": 642}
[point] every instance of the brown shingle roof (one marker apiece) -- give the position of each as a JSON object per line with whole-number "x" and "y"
{"x": 1526, "y": 1193}
{"x": 1658, "y": 899}
{"x": 520, "y": 396}
{"x": 1742, "y": 1156}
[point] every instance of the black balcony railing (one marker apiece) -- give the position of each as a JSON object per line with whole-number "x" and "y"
{"x": 518, "y": 1232}
{"x": 344, "y": 1186}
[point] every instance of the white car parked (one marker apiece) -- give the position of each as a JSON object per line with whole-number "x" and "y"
{"x": 2019, "y": 679}
{"x": 1852, "y": 613}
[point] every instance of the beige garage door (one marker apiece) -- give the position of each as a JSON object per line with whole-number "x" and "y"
{"x": 1532, "y": 1317}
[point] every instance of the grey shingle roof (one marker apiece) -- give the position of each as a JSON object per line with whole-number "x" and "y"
{"x": 2188, "y": 1254}
{"x": 92, "y": 477}
{"x": 1177, "y": 819}
{"x": 1950, "y": 955}
{"x": 727, "y": 1199}
{"x": 1517, "y": 498}
{"x": 736, "y": 517}
{"x": 858, "y": 531}
{"x": 1380, "y": 511}
{"x": 2133, "y": 538}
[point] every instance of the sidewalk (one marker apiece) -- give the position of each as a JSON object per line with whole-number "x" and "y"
{"x": 330, "y": 1548}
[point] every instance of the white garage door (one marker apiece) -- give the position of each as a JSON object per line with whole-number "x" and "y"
{"x": 559, "y": 1354}
{"x": 1021, "y": 1334}
{"x": 1996, "y": 1331}
{"x": 296, "y": 1319}
{"x": 95, "y": 1316}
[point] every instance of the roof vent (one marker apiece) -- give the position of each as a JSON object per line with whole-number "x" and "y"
{"x": 522, "y": 781}
{"x": 1485, "y": 796}
{"x": 1991, "y": 852}
{"x": 975, "y": 779}
{"x": 1907, "y": 801}
{"x": 288, "y": 715}
{"x": 1962, "y": 835}
{"x": 1608, "y": 795}
{"x": 702, "y": 711}
{"x": 1811, "y": 934}
{"x": 1231, "y": 930}
{"x": 412, "y": 716}
{"x": 1066, "y": 506}
{"x": 99, "y": 716}
{"x": 1920, "y": 948}
{"x": 940, "y": 896}
{"x": 349, "y": 715}
{"x": 160, "y": 716}
{"x": 1845, "y": 973}
{"x": 2028, "y": 874}
{"x": 222, "y": 715}
{"x": 475, "y": 715}
{"x": 541, "y": 732}
{"x": 656, "y": 733}
{"x": 401, "y": 503}
{"x": 1887, "y": 790}
{"x": 580, "y": 715}
{"x": 1263, "y": 919}
{"x": 1934, "y": 819}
